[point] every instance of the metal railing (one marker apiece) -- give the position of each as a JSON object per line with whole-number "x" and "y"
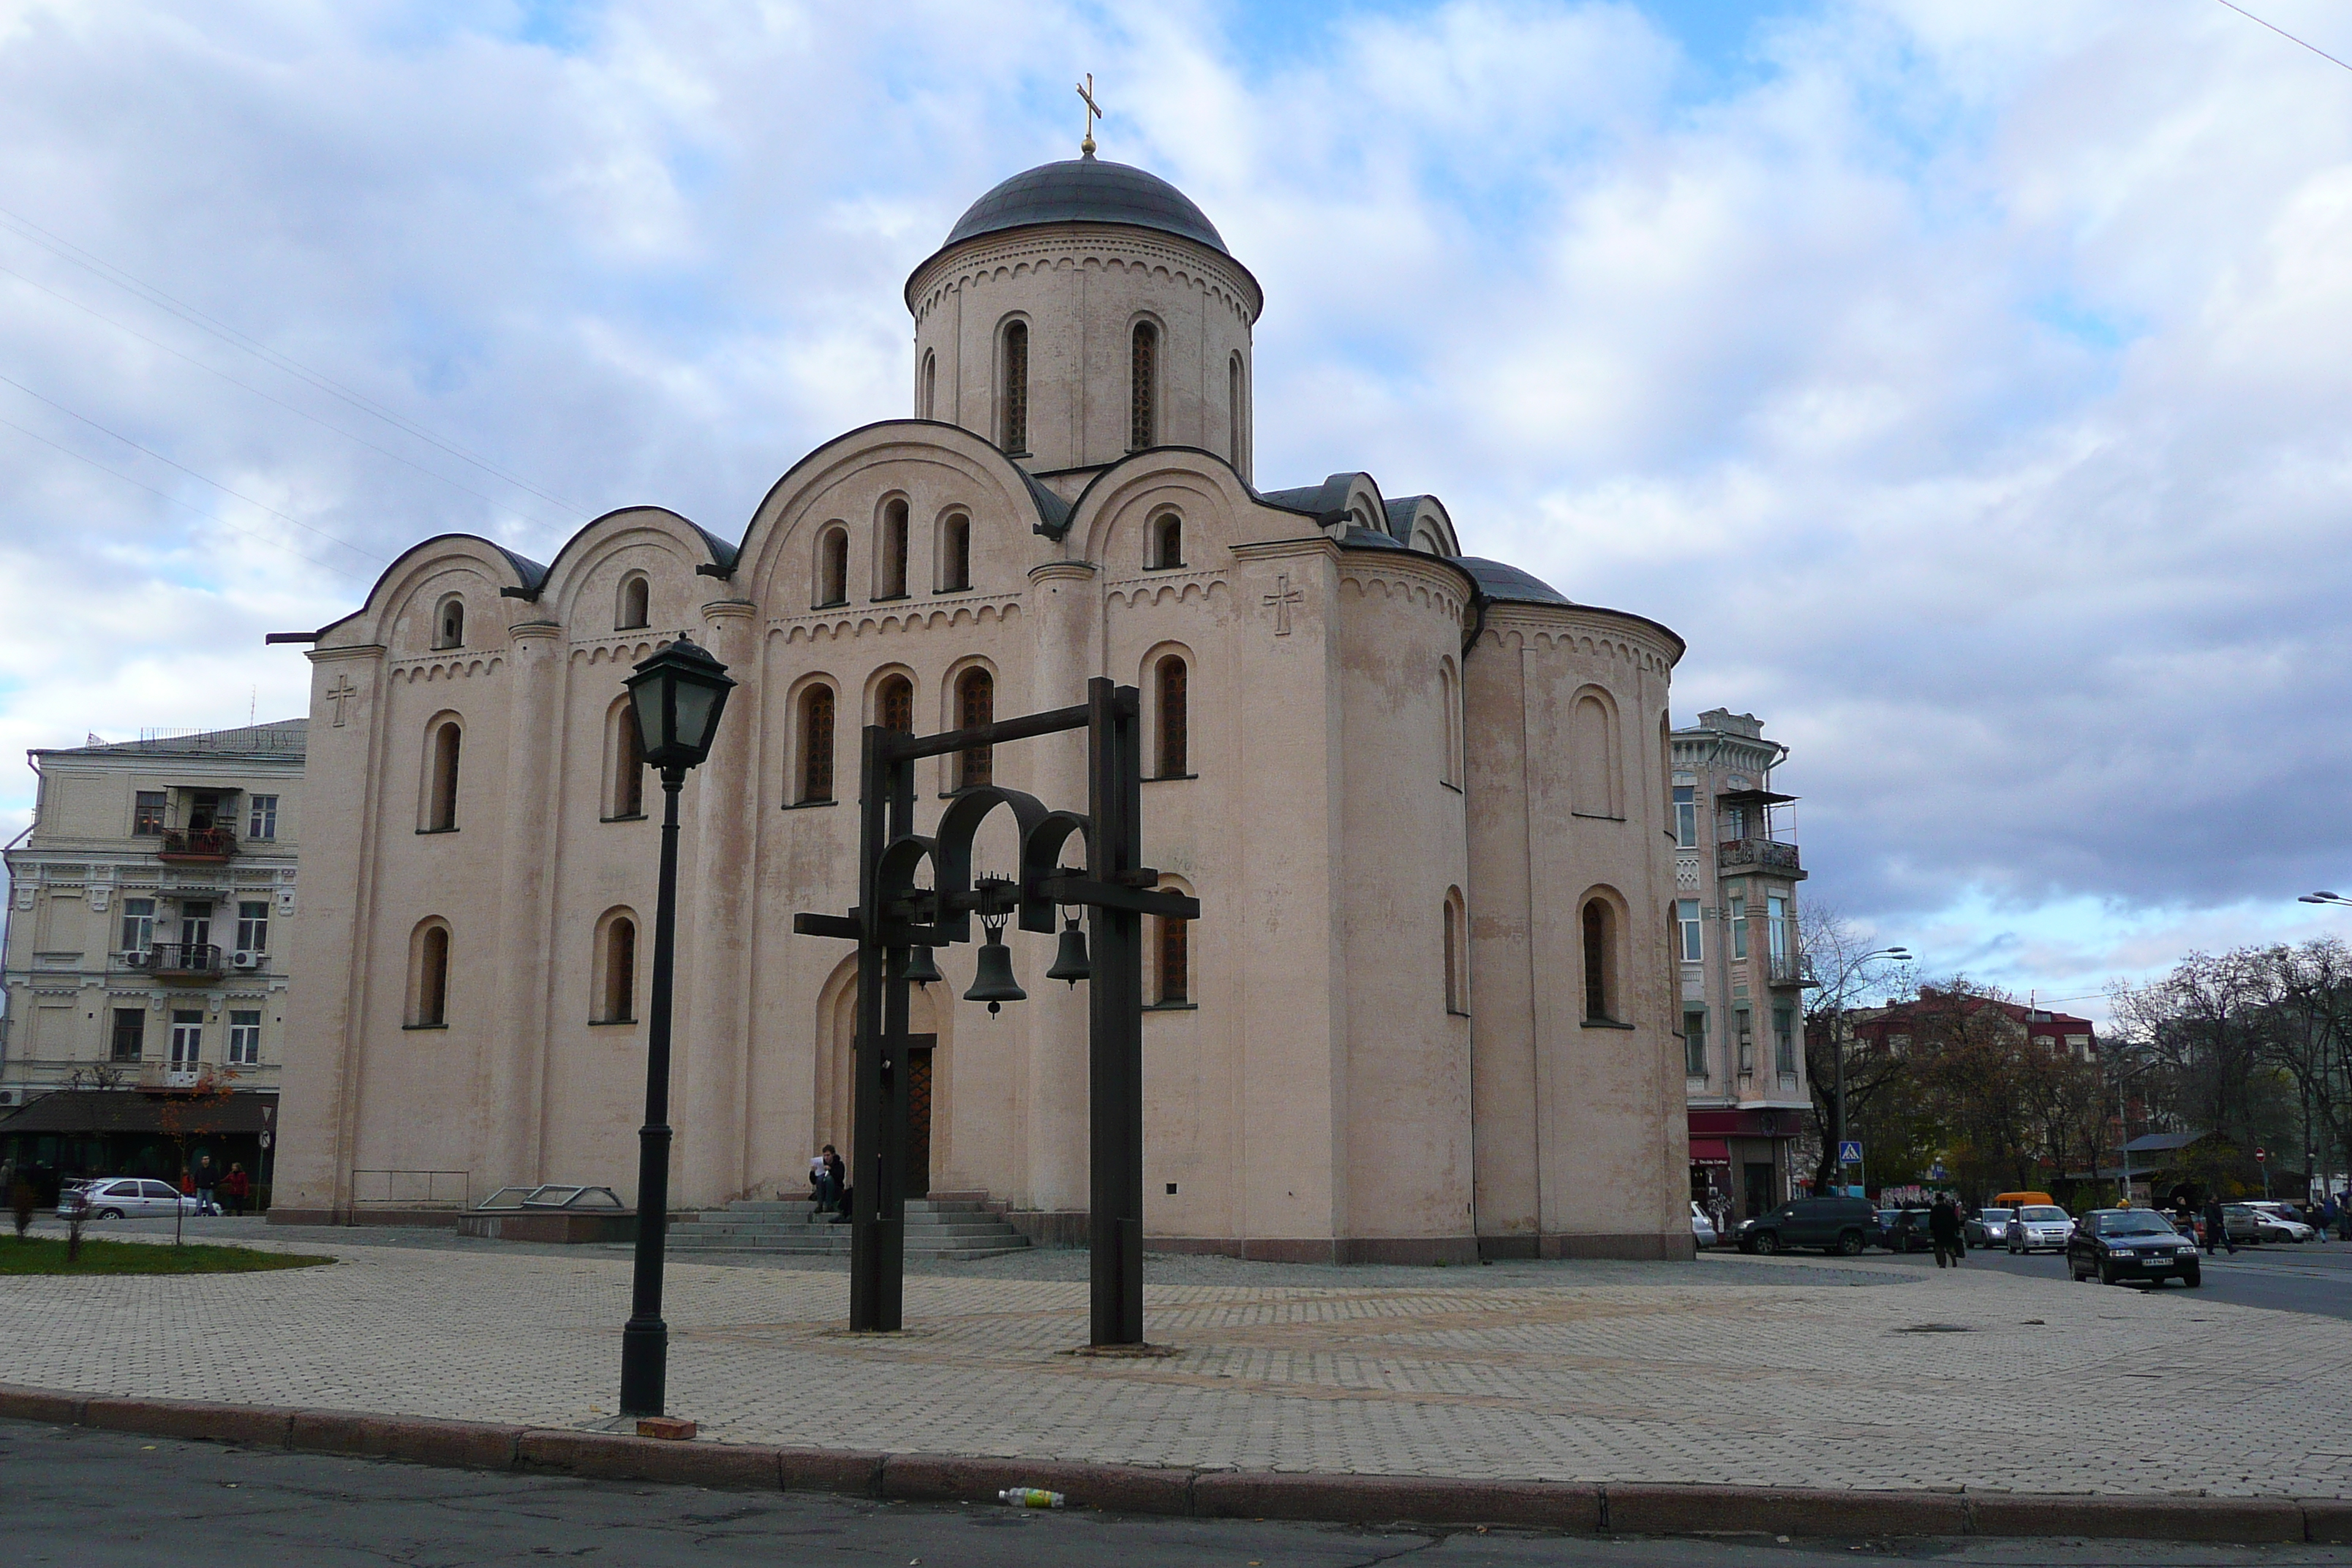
{"x": 413, "y": 1189}
{"x": 186, "y": 958}
{"x": 198, "y": 843}
{"x": 1768, "y": 853}
{"x": 1788, "y": 969}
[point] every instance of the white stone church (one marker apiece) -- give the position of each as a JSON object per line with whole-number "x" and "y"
{"x": 1427, "y": 1012}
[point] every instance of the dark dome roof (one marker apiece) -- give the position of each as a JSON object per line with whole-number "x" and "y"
{"x": 1499, "y": 580}
{"x": 1087, "y": 190}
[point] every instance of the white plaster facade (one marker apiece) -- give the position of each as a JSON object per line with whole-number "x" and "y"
{"x": 1382, "y": 736}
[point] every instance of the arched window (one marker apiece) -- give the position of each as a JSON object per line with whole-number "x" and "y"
{"x": 1599, "y": 964}
{"x": 627, "y": 750}
{"x": 1235, "y": 418}
{"x": 616, "y": 970}
{"x": 1167, "y": 549}
{"x": 1449, "y": 697}
{"x": 449, "y": 623}
{"x": 890, "y": 557}
{"x": 635, "y": 606}
{"x": 816, "y": 743}
{"x": 1170, "y": 680}
{"x": 1592, "y": 745}
{"x": 894, "y": 704}
{"x": 927, "y": 400}
{"x": 1458, "y": 989}
{"x": 975, "y": 691}
{"x": 1174, "y": 953}
{"x": 1015, "y": 417}
{"x": 955, "y": 554}
{"x": 428, "y": 976}
{"x": 833, "y": 567}
{"x": 1142, "y": 360}
{"x": 441, "y": 785}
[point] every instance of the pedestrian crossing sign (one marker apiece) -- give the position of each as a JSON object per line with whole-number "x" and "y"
{"x": 1850, "y": 1151}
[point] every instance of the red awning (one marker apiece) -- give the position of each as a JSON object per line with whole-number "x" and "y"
{"x": 1709, "y": 1151}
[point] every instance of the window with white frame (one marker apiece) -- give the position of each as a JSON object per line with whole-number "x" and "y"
{"x": 1686, "y": 916}
{"x": 1776, "y": 927}
{"x": 1694, "y": 1042}
{"x": 261, "y": 817}
{"x": 187, "y": 1040}
{"x": 1687, "y": 817}
{"x": 1739, "y": 925}
{"x": 137, "y": 924}
{"x": 245, "y": 1037}
{"x": 253, "y": 925}
{"x": 1784, "y": 1041}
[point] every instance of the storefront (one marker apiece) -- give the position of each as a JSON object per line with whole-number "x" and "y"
{"x": 134, "y": 1133}
{"x": 1739, "y": 1160}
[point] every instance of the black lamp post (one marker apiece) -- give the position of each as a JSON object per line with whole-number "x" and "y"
{"x": 676, "y": 698}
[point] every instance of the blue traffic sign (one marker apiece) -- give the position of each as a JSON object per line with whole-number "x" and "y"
{"x": 1850, "y": 1151}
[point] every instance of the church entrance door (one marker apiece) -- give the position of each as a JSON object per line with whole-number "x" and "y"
{"x": 918, "y": 1114}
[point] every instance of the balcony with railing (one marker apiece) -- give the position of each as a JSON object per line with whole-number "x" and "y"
{"x": 186, "y": 961}
{"x": 197, "y": 846}
{"x": 1788, "y": 969}
{"x": 1765, "y": 854}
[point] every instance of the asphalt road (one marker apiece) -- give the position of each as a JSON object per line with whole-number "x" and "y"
{"x": 95, "y": 1500}
{"x": 2315, "y": 1277}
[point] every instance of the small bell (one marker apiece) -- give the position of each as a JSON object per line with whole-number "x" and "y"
{"x": 992, "y": 982}
{"x": 922, "y": 968}
{"x": 1070, "y": 958}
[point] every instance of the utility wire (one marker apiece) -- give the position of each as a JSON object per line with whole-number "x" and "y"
{"x": 175, "y": 501}
{"x": 2282, "y": 33}
{"x": 290, "y": 408}
{"x": 27, "y": 228}
{"x": 191, "y": 473}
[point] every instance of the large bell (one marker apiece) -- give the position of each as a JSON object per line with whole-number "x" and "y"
{"x": 922, "y": 969}
{"x": 1070, "y": 958}
{"x": 992, "y": 983}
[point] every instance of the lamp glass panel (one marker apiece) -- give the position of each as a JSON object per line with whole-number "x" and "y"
{"x": 698, "y": 714}
{"x": 652, "y": 728}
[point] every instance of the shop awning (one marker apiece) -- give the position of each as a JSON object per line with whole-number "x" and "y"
{"x": 129, "y": 1110}
{"x": 1709, "y": 1151}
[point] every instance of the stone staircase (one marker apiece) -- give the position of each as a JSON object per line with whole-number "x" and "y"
{"x": 942, "y": 1226}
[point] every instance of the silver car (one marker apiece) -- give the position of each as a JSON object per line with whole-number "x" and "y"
{"x": 2040, "y": 1227}
{"x": 122, "y": 1197}
{"x": 1702, "y": 1227}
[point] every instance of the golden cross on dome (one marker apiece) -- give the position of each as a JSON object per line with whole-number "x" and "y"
{"x": 1093, "y": 112}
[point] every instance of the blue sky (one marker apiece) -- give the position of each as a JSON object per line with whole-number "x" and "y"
{"x": 1964, "y": 382}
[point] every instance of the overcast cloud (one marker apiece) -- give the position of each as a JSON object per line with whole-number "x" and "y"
{"x": 1966, "y": 383}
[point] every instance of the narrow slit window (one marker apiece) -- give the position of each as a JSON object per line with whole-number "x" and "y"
{"x": 1173, "y": 681}
{"x": 928, "y": 400}
{"x": 441, "y": 814}
{"x": 629, "y": 762}
{"x": 1143, "y": 356}
{"x": 975, "y": 705}
{"x": 955, "y": 554}
{"x": 816, "y": 744}
{"x": 636, "y": 604}
{"x": 1597, "y": 999}
{"x": 449, "y": 626}
{"x": 833, "y": 568}
{"x": 619, "y": 1001}
{"x": 1694, "y": 1042}
{"x": 1175, "y": 962}
{"x": 1167, "y": 542}
{"x": 893, "y": 705}
{"x": 431, "y": 1006}
{"x": 893, "y": 552}
{"x": 1233, "y": 410}
{"x": 1017, "y": 389}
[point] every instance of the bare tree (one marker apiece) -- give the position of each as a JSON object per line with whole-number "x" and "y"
{"x": 1848, "y": 973}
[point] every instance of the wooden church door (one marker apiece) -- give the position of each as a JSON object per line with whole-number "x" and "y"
{"x": 918, "y": 1114}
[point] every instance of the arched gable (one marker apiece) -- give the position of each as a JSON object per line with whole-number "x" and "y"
{"x": 398, "y": 609}
{"x": 1109, "y": 518}
{"x": 580, "y": 584}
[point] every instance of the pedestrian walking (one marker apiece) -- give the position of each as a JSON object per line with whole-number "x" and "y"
{"x": 1944, "y": 1230}
{"x": 204, "y": 1181}
{"x": 2217, "y": 1228}
{"x": 236, "y": 1189}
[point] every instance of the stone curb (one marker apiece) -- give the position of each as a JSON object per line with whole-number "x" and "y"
{"x": 1619, "y": 1508}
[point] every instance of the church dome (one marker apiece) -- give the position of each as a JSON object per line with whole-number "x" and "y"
{"x": 1087, "y": 190}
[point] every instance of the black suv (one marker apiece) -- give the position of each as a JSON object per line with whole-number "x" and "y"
{"x": 1833, "y": 1225}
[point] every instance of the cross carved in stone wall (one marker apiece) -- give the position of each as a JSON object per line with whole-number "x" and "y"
{"x": 341, "y": 692}
{"x": 1282, "y": 598}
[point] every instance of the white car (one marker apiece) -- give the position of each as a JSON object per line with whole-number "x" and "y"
{"x": 122, "y": 1197}
{"x": 1702, "y": 1227}
{"x": 2264, "y": 1221}
{"x": 2039, "y": 1227}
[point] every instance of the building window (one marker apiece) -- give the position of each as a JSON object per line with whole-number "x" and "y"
{"x": 1175, "y": 962}
{"x": 1741, "y": 1029}
{"x": 129, "y": 1033}
{"x": 1457, "y": 979}
{"x": 616, "y": 991}
{"x": 1017, "y": 389}
{"x": 1776, "y": 929}
{"x": 833, "y": 568}
{"x": 449, "y": 623}
{"x": 976, "y": 705}
{"x": 1686, "y": 817}
{"x": 1449, "y": 698}
{"x": 893, "y": 705}
{"x": 816, "y": 743}
{"x": 1233, "y": 416}
{"x": 1740, "y": 925}
{"x": 187, "y": 1040}
{"x": 428, "y": 983}
{"x": 927, "y": 400}
{"x": 1686, "y": 916}
{"x": 1784, "y": 1042}
{"x": 1170, "y": 682}
{"x": 955, "y": 554}
{"x": 627, "y": 750}
{"x": 1695, "y": 1042}
{"x": 1142, "y": 363}
{"x": 261, "y": 817}
{"x": 147, "y": 814}
{"x": 137, "y": 924}
{"x": 1167, "y": 542}
{"x": 441, "y": 792}
{"x": 891, "y": 558}
{"x": 634, "y": 610}
{"x": 244, "y": 1039}
{"x": 204, "y": 808}
{"x": 253, "y": 925}
{"x": 1597, "y": 943}
{"x": 195, "y": 923}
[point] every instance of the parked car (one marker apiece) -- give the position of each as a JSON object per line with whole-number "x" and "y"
{"x": 2254, "y": 1223}
{"x": 2117, "y": 1245}
{"x": 1702, "y": 1227}
{"x": 1834, "y": 1225}
{"x": 1987, "y": 1227}
{"x": 1904, "y": 1230}
{"x": 2305, "y": 1230}
{"x": 121, "y": 1197}
{"x": 2037, "y": 1227}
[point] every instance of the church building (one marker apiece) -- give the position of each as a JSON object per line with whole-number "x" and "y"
{"x": 1429, "y": 1011}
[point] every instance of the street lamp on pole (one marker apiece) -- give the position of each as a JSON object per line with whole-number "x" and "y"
{"x": 2326, "y": 898}
{"x": 1837, "y": 1058}
{"x": 675, "y": 699}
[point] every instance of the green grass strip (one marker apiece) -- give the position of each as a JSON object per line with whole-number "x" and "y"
{"x": 45, "y": 1255}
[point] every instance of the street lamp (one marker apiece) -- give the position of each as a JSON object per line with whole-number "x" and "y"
{"x": 1837, "y": 1057}
{"x": 2324, "y": 898}
{"x": 675, "y": 699}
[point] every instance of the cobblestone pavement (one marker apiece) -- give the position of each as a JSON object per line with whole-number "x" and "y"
{"x": 1759, "y": 1372}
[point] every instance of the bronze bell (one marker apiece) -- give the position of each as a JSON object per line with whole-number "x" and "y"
{"x": 922, "y": 968}
{"x": 1070, "y": 958}
{"x": 992, "y": 983}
